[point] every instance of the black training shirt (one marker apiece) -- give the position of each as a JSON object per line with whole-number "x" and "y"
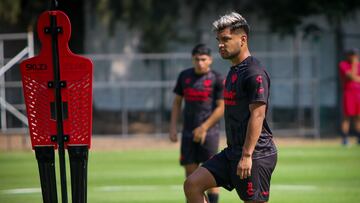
{"x": 200, "y": 93}
{"x": 246, "y": 83}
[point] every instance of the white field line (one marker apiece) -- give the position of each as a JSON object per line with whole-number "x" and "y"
{"x": 137, "y": 188}
{"x": 293, "y": 187}
{"x": 21, "y": 191}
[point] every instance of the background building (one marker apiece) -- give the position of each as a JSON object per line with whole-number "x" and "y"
{"x": 137, "y": 57}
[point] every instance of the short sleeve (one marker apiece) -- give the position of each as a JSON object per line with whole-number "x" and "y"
{"x": 344, "y": 68}
{"x": 257, "y": 87}
{"x": 219, "y": 87}
{"x": 179, "y": 87}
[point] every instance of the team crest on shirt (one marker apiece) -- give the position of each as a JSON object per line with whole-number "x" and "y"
{"x": 259, "y": 79}
{"x": 187, "y": 81}
{"x": 234, "y": 78}
{"x": 260, "y": 90}
{"x": 207, "y": 83}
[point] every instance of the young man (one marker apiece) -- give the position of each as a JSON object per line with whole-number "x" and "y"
{"x": 248, "y": 161}
{"x": 202, "y": 90}
{"x": 350, "y": 81}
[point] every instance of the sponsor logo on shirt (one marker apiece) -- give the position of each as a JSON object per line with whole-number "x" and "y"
{"x": 229, "y": 97}
{"x": 192, "y": 94}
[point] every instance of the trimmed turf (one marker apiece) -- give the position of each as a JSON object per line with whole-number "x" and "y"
{"x": 303, "y": 174}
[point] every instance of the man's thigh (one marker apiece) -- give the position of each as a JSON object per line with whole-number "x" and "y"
{"x": 202, "y": 178}
{"x": 219, "y": 167}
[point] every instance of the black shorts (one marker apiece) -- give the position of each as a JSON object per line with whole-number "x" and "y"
{"x": 194, "y": 153}
{"x": 254, "y": 188}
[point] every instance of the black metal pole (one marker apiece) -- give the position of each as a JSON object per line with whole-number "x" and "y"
{"x": 78, "y": 165}
{"x": 58, "y": 106}
{"x": 53, "y": 5}
{"x": 46, "y": 161}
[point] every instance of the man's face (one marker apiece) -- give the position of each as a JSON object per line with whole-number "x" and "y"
{"x": 201, "y": 63}
{"x": 230, "y": 43}
{"x": 353, "y": 58}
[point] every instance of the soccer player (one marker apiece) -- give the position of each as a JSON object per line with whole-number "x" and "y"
{"x": 350, "y": 79}
{"x": 202, "y": 90}
{"x": 249, "y": 159}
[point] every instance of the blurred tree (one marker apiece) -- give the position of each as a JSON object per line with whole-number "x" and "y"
{"x": 287, "y": 16}
{"x": 20, "y": 12}
{"x": 155, "y": 19}
{"x": 21, "y": 16}
{"x": 200, "y": 7}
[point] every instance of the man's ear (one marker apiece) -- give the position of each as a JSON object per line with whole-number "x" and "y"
{"x": 243, "y": 40}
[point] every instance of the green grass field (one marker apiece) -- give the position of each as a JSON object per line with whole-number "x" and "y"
{"x": 303, "y": 175}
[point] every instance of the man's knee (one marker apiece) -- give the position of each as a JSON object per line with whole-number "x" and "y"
{"x": 193, "y": 185}
{"x": 190, "y": 184}
{"x": 198, "y": 182}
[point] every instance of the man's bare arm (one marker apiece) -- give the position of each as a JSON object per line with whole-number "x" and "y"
{"x": 254, "y": 128}
{"x": 200, "y": 132}
{"x": 175, "y": 112}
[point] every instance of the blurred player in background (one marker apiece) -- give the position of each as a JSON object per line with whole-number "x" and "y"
{"x": 350, "y": 82}
{"x": 202, "y": 90}
{"x": 248, "y": 161}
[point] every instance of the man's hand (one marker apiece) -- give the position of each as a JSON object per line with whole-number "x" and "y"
{"x": 175, "y": 112}
{"x": 244, "y": 167}
{"x": 200, "y": 134}
{"x": 173, "y": 134}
